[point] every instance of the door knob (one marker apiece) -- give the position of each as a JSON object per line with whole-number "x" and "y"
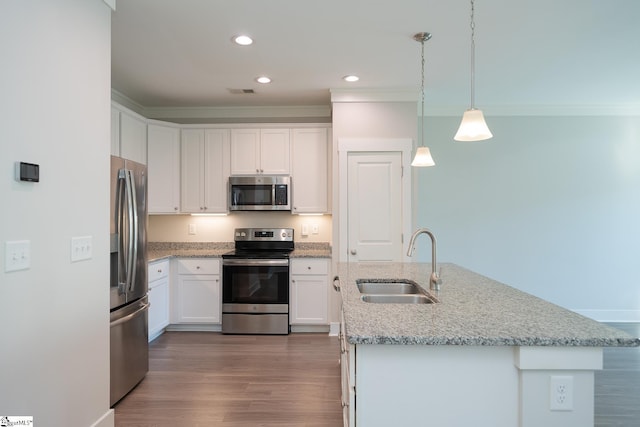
{"x": 353, "y": 252}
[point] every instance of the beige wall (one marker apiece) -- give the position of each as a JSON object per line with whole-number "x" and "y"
{"x": 175, "y": 228}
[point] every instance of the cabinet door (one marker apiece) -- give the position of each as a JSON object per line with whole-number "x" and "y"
{"x": 308, "y": 300}
{"x": 163, "y": 169}
{"x": 309, "y": 292}
{"x": 245, "y": 151}
{"x": 216, "y": 170}
{"x": 274, "y": 151}
{"x": 192, "y": 171}
{"x": 199, "y": 299}
{"x": 310, "y": 171}
{"x": 159, "y": 307}
{"x": 133, "y": 138}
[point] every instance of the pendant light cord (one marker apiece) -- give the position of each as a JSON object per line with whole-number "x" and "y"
{"x": 473, "y": 56}
{"x": 422, "y": 94}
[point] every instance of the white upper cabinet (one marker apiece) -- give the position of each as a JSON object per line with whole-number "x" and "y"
{"x": 128, "y": 135}
{"x": 310, "y": 170}
{"x": 204, "y": 170}
{"x": 163, "y": 170}
{"x": 260, "y": 151}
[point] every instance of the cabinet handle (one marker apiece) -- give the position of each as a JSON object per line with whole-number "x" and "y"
{"x": 353, "y": 252}
{"x": 159, "y": 270}
{"x": 309, "y": 267}
{"x": 197, "y": 267}
{"x": 336, "y": 287}
{"x": 175, "y": 208}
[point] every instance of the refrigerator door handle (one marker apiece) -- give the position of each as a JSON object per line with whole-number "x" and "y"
{"x": 121, "y": 193}
{"x": 133, "y": 230}
{"x": 128, "y": 317}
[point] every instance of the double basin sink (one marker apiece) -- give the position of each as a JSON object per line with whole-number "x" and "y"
{"x": 393, "y": 291}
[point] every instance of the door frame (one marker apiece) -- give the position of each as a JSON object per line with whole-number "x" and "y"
{"x": 372, "y": 145}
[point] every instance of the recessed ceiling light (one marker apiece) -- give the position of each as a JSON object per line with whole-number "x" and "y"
{"x": 351, "y": 78}
{"x": 263, "y": 79}
{"x": 243, "y": 40}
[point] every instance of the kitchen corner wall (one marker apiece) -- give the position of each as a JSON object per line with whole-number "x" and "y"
{"x": 176, "y": 228}
{"x": 54, "y": 316}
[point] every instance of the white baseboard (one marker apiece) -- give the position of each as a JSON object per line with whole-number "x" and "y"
{"x": 622, "y": 316}
{"x": 106, "y": 420}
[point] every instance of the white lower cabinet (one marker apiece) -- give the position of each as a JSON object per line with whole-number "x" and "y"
{"x": 197, "y": 294}
{"x": 347, "y": 377}
{"x": 309, "y": 291}
{"x": 158, "y": 276}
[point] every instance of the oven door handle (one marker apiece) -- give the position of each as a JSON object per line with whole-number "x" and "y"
{"x": 256, "y": 262}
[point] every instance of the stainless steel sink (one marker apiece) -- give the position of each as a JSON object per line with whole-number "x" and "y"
{"x": 393, "y": 291}
{"x": 397, "y": 299}
{"x": 396, "y": 286}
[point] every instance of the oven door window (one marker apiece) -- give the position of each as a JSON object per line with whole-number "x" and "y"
{"x": 252, "y": 195}
{"x": 255, "y": 284}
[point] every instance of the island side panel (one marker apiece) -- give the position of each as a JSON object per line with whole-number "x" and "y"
{"x": 436, "y": 386}
{"x": 538, "y": 367}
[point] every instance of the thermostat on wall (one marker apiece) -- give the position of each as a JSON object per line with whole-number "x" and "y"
{"x": 27, "y": 172}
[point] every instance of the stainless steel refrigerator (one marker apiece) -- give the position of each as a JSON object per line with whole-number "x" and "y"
{"x": 128, "y": 289}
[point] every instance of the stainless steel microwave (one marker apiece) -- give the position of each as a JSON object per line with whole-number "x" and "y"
{"x": 260, "y": 193}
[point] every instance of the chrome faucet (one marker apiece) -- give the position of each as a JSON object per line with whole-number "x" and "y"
{"x": 434, "y": 281}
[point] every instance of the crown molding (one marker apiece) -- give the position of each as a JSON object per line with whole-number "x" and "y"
{"x": 125, "y": 101}
{"x": 305, "y": 111}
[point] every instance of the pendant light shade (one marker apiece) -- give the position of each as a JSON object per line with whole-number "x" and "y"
{"x": 473, "y": 127}
{"x": 423, "y": 158}
{"x": 423, "y": 155}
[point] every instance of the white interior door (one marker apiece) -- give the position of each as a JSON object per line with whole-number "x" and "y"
{"x": 375, "y": 206}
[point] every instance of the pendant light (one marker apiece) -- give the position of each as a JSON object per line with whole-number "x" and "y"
{"x": 473, "y": 127}
{"x": 423, "y": 155}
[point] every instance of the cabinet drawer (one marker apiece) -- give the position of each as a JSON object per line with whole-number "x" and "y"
{"x": 309, "y": 266}
{"x": 158, "y": 270}
{"x": 198, "y": 266}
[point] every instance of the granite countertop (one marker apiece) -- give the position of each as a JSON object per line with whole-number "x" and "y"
{"x": 472, "y": 310}
{"x": 161, "y": 250}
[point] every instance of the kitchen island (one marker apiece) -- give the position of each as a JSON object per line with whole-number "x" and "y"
{"x": 485, "y": 354}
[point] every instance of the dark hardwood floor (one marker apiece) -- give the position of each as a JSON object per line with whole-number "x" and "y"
{"x": 208, "y": 379}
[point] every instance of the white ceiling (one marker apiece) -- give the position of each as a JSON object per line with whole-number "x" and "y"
{"x": 544, "y": 53}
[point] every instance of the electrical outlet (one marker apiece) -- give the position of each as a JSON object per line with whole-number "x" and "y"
{"x": 561, "y": 393}
{"x": 305, "y": 229}
{"x": 315, "y": 229}
{"x": 192, "y": 229}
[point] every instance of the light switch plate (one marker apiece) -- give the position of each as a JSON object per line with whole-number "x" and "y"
{"x": 81, "y": 248}
{"x": 17, "y": 255}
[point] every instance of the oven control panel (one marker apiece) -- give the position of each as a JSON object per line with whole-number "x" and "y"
{"x": 264, "y": 234}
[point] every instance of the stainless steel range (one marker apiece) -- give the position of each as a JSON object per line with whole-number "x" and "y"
{"x": 255, "y": 282}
